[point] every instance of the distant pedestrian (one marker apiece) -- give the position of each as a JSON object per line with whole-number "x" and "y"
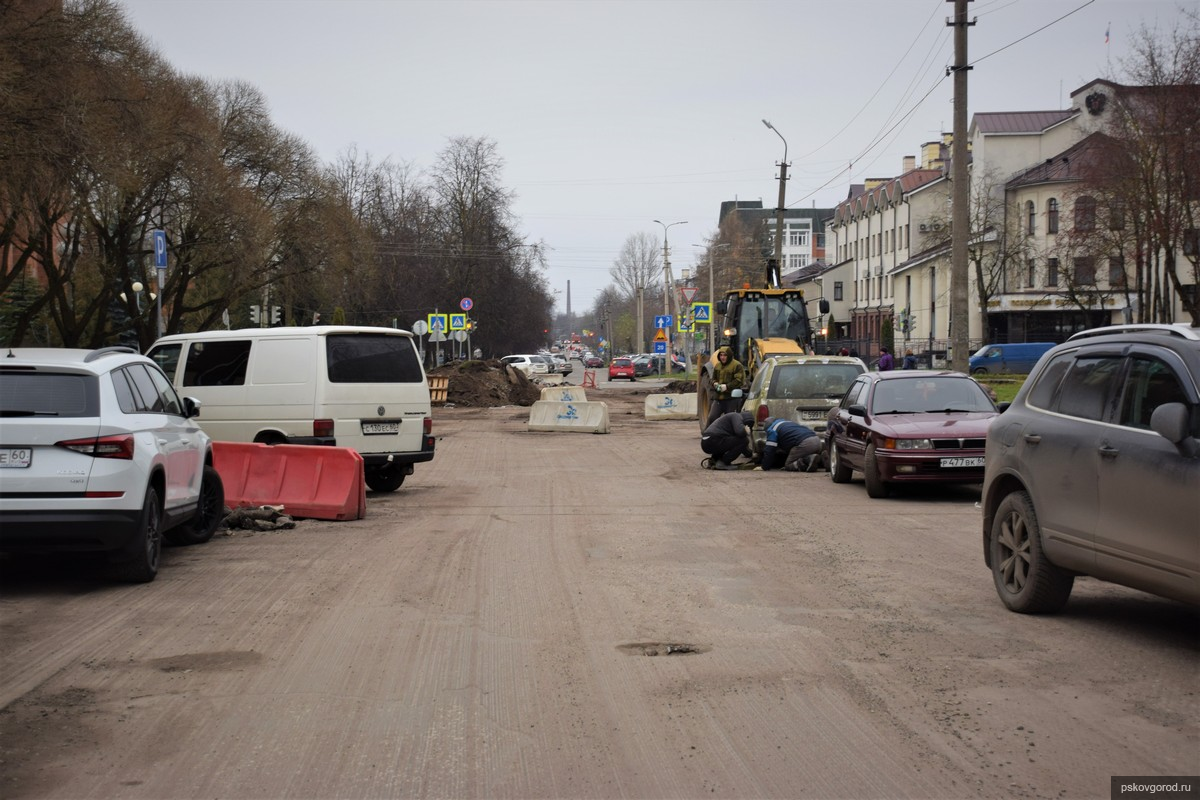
{"x": 726, "y": 439}
{"x": 910, "y": 361}
{"x": 886, "y": 362}
{"x": 789, "y": 445}
{"x": 843, "y": 352}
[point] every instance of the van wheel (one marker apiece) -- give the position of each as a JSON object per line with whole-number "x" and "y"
{"x": 145, "y": 549}
{"x": 1025, "y": 579}
{"x": 210, "y": 510}
{"x": 385, "y": 479}
{"x": 979, "y": 371}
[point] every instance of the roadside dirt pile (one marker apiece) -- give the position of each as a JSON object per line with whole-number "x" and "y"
{"x": 483, "y": 384}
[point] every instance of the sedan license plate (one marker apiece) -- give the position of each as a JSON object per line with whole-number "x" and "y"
{"x": 812, "y": 415}
{"x": 15, "y": 457}
{"x": 972, "y": 461}
{"x": 380, "y": 428}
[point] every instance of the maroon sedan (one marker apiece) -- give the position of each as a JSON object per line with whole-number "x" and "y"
{"x": 910, "y": 426}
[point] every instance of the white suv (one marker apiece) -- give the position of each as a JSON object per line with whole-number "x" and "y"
{"x": 99, "y": 454}
{"x": 529, "y": 364}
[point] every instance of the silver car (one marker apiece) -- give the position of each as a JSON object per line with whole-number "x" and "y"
{"x": 98, "y": 454}
{"x": 1095, "y": 470}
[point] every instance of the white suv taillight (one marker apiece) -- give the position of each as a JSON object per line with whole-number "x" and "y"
{"x": 101, "y": 446}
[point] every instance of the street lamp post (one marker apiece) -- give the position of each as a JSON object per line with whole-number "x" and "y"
{"x": 667, "y": 271}
{"x": 783, "y": 168}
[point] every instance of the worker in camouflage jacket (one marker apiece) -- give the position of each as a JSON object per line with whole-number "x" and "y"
{"x": 729, "y": 379}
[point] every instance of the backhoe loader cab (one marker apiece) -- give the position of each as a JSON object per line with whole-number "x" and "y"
{"x": 757, "y": 324}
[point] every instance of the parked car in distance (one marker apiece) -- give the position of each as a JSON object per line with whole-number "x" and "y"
{"x": 655, "y": 365}
{"x": 1094, "y": 469}
{"x": 592, "y": 362}
{"x": 621, "y": 368}
{"x": 561, "y": 365}
{"x": 530, "y": 365}
{"x": 907, "y": 426}
{"x": 799, "y": 388}
{"x": 1007, "y": 359}
{"x": 98, "y": 454}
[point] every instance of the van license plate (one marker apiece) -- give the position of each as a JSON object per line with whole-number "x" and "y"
{"x": 975, "y": 461}
{"x": 377, "y": 428}
{"x": 15, "y": 457}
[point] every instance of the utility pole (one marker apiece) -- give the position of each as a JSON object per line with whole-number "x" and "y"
{"x": 773, "y": 274}
{"x": 960, "y": 326}
{"x": 667, "y": 297}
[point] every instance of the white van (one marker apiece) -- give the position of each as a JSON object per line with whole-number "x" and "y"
{"x": 335, "y": 385}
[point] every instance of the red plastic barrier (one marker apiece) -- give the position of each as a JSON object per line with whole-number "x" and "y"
{"x": 308, "y": 481}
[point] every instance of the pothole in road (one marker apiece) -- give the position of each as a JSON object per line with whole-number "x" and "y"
{"x": 662, "y": 649}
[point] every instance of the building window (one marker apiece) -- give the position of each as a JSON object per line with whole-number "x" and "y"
{"x": 1085, "y": 213}
{"x": 1031, "y": 278}
{"x": 797, "y": 237}
{"x": 1191, "y": 242}
{"x": 1052, "y": 272}
{"x": 1116, "y": 271}
{"x": 797, "y": 260}
{"x": 1085, "y": 271}
{"x": 1051, "y": 216}
{"x": 837, "y": 290}
{"x": 1030, "y": 217}
{"x": 1116, "y": 215}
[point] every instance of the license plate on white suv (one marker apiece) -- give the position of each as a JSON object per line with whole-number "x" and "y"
{"x": 380, "y": 428}
{"x": 970, "y": 461}
{"x": 15, "y": 457}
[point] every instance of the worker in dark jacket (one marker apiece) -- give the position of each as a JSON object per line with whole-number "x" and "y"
{"x": 728, "y": 378}
{"x": 726, "y": 439}
{"x": 789, "y": 445}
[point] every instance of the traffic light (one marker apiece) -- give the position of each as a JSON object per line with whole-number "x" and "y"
{"x": 275, "y": 315}
{"x": 254, "y": 314}
{"x": 470, "y": 324}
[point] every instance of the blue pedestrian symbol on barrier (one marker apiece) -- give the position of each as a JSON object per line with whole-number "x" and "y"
{"x": 571, "y": 414}
{"x": 668, "y": 402}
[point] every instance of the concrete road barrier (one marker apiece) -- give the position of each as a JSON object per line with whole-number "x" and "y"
{"x": 551, "y": 415}
{"x": 564, "y": 394}
{"x": 550, "y": 379}
{"x": 671, "y": 406}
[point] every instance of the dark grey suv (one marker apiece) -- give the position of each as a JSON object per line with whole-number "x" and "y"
{"x": 1095, "y": 470}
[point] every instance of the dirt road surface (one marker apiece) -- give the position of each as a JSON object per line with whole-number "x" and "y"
{"x": 563, "y": 615}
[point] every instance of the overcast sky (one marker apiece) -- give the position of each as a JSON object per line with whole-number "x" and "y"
{"x": 610, "y": 114}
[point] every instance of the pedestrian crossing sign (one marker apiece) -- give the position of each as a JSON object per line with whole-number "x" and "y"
{"x": 702, "y": 313}
{"x": 458, "y": 322}
{"x": 437, "y": 323}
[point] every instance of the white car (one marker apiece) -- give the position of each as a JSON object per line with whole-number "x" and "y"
{"x": 99, "y": 454}
{"x": 531, "y": 365}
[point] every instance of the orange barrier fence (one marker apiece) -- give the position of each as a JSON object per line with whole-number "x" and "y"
{"x": 308, "y": 481}
{"x": 589, "y": 379}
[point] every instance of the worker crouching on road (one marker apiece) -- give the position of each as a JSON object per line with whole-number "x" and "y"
{"x": 789, "y": 445}
{"x": 726, "y": 439}
{"x": 729, "y": 376}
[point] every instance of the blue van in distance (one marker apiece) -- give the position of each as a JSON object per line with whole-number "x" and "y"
{"x": 1011, "y": 359}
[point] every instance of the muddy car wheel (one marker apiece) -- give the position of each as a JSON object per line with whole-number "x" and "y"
{"x": 839, "y": 470}
{"x": 1025, "y": 579}
{"x": 384, "y": 479}
{"x": 141, "y": 563}
{"x": 876, "y": 487}
{"x": 210, "y": 510}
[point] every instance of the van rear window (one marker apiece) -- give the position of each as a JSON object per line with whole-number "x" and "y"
{"x": 372, "y": 358}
